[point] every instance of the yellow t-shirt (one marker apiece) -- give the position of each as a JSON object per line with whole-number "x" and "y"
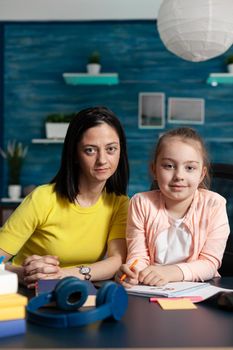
{"x": 46, "y": 224}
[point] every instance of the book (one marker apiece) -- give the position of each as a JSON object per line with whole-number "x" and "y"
{"x": 11, "y": 300}
{"x": 13, "y": 327}
{"x": 12, "y": 313}
{"x": 8, "y": 282}
{"x": 171, "y": 289}
{"x": 48, "y": 285}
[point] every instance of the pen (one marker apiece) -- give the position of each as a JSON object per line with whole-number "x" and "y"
{"x": 123, "y": 277}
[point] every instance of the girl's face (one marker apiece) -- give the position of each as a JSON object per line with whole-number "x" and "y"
{"x": 98, "y": 154}
{"x": 179, "y": 169}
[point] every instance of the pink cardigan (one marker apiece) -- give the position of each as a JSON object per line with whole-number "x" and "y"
{"x": 206, "y": 220}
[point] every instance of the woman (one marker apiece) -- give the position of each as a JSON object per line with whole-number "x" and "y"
{"x": 81, "y": 215}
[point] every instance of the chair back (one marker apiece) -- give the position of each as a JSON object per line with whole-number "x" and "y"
{"x": 222, "y": 182}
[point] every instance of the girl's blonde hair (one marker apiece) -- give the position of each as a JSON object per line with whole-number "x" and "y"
{"x": 188, "y": 135}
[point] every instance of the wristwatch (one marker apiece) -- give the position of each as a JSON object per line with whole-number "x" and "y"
{"x": 85, "y": 270}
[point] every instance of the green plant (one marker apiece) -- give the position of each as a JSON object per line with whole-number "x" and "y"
{"x": 94, "y": 57}
{"x": 15, "y": 154}
{"x": 229, "y": 59}
{"x": 59, "y": 118}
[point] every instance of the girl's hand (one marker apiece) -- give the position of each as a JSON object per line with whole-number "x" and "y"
{"x": 131, "y": 276}
{"x": 158, "y": 275}
{"x": 38, "y": 267}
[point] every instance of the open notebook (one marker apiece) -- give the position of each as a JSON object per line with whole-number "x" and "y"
{"x": 177, "y": 289}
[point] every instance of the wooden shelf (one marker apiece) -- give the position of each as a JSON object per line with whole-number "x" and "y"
{"x": 47, "y": 141}
{"x": 88, "y": 79}
{"x": 54, "y": 141}
{"x": 220, "y": 78}
{"x": 10, "y": 200}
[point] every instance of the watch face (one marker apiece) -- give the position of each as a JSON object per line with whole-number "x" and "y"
{"x": 84, "y": 270}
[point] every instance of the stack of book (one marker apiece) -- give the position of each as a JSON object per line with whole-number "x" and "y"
{"x": 12, "y": 306}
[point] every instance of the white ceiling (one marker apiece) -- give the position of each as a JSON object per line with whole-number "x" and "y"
{"x": 78, "y": 9}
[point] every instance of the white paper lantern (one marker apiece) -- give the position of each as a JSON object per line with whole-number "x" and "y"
{"x": 196, "y": 30}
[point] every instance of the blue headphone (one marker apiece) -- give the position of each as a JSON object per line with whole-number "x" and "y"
{"x": 70, "y": 294}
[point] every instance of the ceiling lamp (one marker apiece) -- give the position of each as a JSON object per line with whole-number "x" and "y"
{"x": 196, "y": 30}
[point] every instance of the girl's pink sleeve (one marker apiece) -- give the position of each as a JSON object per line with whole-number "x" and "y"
{"x": 136, "y": 235}
{"x": 205, "y": 265}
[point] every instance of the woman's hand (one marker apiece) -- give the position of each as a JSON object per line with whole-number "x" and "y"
{"x": 131, "y": 276}
{"x": 158, "y": 275}
{"x": 38, "y": 267}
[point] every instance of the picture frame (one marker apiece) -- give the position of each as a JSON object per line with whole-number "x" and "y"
{"x": 151, "y": 110}
{"x": 186, "y": 110}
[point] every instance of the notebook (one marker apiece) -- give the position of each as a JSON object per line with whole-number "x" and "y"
{"x": 171, "y": 289}
{"x": 202, "y": 290}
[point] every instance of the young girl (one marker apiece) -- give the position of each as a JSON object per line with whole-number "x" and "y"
{"x": 179, "y": 232}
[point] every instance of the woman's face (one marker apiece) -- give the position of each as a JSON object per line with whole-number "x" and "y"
{"x": 98, "y": 154}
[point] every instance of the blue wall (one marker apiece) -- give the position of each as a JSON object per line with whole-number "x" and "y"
{"x": 36, "y": 55}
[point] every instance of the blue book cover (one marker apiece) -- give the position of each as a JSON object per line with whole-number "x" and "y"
{"x": 12, "y": 327}
{"x": 45, "y": 286}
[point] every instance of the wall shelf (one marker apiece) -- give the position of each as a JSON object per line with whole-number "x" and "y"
{"x": 220, "y": 78}
{"x": 89, "y": 79}
{"x": 47, "y": 141}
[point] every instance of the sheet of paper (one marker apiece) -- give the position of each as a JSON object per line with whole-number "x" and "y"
{"x": 208, "y": 292}
{"x": 90, "y": 301}
{"x": 179, "y": 304}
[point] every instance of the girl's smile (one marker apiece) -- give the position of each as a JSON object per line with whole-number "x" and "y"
{"x": 177, "y": 187}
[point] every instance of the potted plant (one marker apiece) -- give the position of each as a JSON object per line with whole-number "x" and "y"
{"x": 229, "y": 63}
{"x": 56, "y": 125}
{"x": 94, "y": 66}
{"x": 15, "y": 154}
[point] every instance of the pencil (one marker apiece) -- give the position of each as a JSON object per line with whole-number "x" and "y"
{"x": 123, "y": 277}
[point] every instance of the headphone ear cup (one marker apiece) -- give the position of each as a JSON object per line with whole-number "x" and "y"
{"x": 70, "y": 293}
{"x": 115, "y": 296}
{"x": 104, "y": 293}
{"x": 63, "y": 281}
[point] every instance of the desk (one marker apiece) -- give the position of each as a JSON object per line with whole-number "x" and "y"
{"x": 145, "y": 325}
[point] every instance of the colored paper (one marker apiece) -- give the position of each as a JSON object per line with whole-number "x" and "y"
{"x": 13, "y": 327}
{"x": 12, "y": 300}
{"x": 193, "y": 299}
{"x": 12, "y": 313}
{"x": 179, "y": 304}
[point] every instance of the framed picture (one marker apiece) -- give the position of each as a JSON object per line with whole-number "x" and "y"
{"x": 186, "y": 110}
{"x": 151, "y": 110}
